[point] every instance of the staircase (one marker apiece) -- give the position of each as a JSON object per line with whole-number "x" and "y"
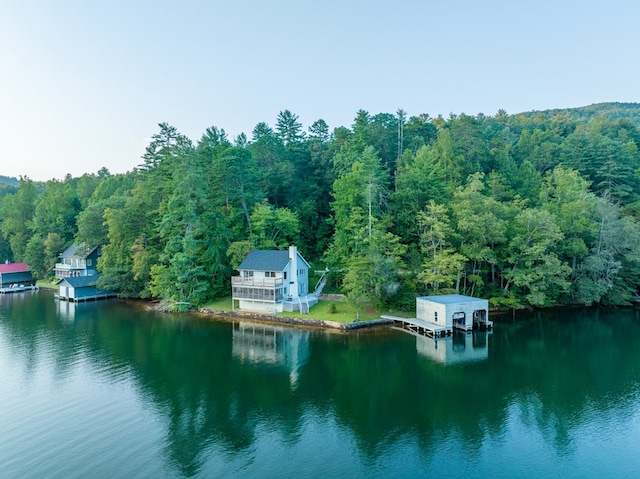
{"x": 321, "y": 283}
{"x": 304, "y": 306}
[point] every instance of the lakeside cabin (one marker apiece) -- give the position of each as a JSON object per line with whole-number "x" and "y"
{"x": 273, "y": 281}
{"x": 77, "y": 260}
{"x": 81, "y": 288}
{"x": 16, "y": 277}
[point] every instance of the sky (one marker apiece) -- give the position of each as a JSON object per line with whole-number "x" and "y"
{"x": 84, "y": 85}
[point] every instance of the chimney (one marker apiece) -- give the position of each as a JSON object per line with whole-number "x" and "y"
{"x": 293, "y": 281}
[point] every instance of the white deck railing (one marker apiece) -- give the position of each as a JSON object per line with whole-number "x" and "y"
{"x": 256, "y": 282}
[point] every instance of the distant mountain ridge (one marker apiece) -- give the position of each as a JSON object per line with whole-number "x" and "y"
{"x": 9, "y": 180}
{"x": 612, "y": 110}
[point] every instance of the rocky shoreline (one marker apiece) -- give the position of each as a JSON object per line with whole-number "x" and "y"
{"x": 288, "y": 321}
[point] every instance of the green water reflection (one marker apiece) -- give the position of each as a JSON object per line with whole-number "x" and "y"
{"x": 219, "y": 388}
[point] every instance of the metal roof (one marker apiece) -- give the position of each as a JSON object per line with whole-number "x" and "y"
{"x": 13, "y": 267}
{"x": 451, "y": 298}
{"x": 81, "y": 281}
{"x": 265, "y": 260}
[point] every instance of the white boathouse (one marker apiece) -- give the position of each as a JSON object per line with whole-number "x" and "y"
{"x": 450, "y": 311}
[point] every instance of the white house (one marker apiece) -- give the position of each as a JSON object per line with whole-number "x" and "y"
{"x": 273, "y": 281}
{"x": 454, "y": 311}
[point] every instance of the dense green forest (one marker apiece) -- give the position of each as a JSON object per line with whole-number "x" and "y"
{"x": 533, "y": 209}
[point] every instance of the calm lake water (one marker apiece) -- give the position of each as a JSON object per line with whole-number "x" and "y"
{"x": 108, "y": 390}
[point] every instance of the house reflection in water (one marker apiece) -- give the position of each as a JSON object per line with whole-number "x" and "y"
{"x": 66, "y": 309}
{"x": 456, "y": 349}
{"x": 285, "y": 348}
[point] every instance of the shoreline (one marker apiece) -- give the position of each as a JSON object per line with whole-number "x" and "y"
{"x": 289, "y": 321}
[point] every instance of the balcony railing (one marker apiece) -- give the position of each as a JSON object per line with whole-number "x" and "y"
{"x": 62, "y": 266}
{"x": 256, "y": 282}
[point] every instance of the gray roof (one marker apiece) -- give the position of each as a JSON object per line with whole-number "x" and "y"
{"x": 73, "y": 250}
{"x": 451, "y": 298}
{"x": 81, "y": 281}
{"x": 265, "y": 260}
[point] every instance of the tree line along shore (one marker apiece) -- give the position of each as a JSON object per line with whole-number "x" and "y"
{"x": 529, "y": 210}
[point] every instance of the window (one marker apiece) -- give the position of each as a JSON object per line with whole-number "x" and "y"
{"x": 89, "y": 262}
{"x": 285, "y": 275}
{"x": 435, "y": 316}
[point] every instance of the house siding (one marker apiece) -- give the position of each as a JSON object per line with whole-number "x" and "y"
{"x": 19, "y": 277}
{"x": 81, "y": 289}
{"x": 268, "y": 279}
{"x": 73, "y": 265}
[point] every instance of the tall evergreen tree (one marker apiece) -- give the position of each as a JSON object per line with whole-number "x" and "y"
{"x": 17, "y": 211}
{"x": 192, "y": 266}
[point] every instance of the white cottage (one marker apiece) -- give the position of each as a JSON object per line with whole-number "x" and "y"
{"x": 273, "y": 281}
{"x": 454, "y": 311}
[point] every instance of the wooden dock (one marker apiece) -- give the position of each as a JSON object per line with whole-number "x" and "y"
{"x": 483, "y": 325}
{"x": 419, "y": 327}
{"x": 18, "y": 288}
{"x": 92, "y": 297}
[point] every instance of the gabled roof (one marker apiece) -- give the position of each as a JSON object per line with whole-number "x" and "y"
{"x": 73, "y": 251}
{"x": 13, "y": 267}
{"x": 265, "y": 260}
{"x": 81, "y": 281}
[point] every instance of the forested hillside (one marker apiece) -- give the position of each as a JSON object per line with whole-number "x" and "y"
{"x": 8, "y": 181}
{"x": 611, "y": 111}
{"x": 528, "y": 210}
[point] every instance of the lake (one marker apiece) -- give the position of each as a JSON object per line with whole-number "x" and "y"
{"x": 110, "y": 390}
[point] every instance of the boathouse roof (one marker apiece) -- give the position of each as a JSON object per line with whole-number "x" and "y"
{"x": 13, "y": 267}
{"x": 451, "y": 298}
{"x": 80, "y": 281}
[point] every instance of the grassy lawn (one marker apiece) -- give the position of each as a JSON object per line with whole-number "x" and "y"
{"x": 220, "y": 304}
{"x": 44, "y": 284}
{"x": 339, "y": 311}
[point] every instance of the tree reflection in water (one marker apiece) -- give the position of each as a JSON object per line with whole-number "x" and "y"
{"x": 220, "y": 386}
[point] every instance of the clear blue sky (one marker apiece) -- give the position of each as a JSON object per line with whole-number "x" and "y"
{"x": 84, "y": 84}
